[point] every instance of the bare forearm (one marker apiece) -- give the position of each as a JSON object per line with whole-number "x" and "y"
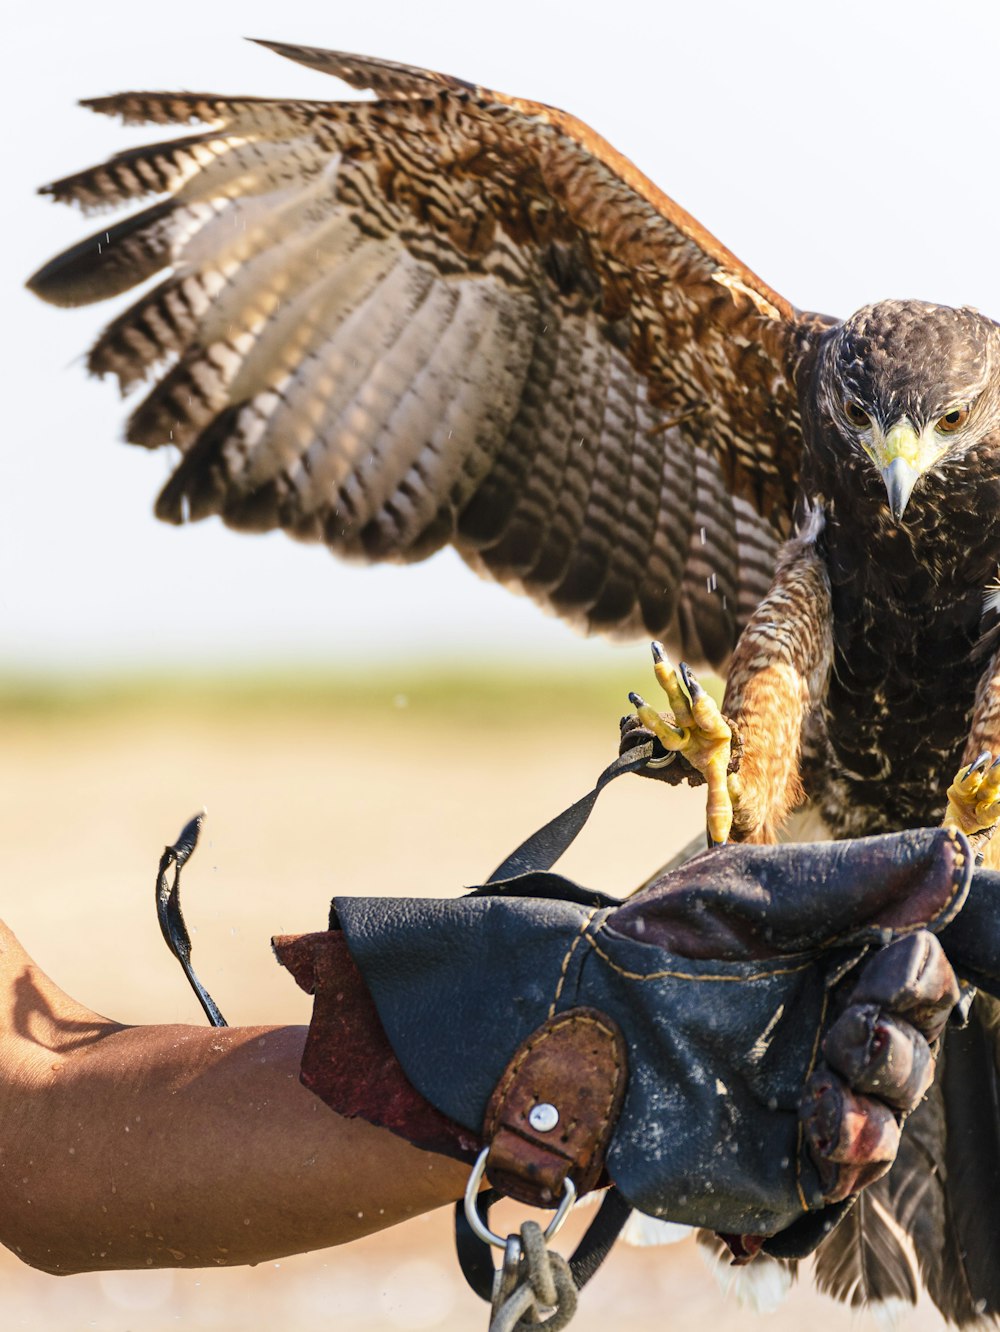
{"x": 166, "y": 1146}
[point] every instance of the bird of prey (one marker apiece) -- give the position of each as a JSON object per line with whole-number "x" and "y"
{"x": 452, "y": 316}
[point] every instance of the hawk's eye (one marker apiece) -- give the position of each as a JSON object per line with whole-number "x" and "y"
{"x": 953, "y": 420}
{"x": 857, "y": 415}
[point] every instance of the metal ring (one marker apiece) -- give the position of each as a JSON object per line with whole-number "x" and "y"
{"x": 663, "y": 762}
{"x": 479, "y": 1226}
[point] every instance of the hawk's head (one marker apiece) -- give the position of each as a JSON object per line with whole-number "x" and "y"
{"x": 911, "y": 385}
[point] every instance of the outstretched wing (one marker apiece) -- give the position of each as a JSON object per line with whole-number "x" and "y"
{"x": 449, "y": 316}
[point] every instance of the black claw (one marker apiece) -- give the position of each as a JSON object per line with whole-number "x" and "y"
{"x": 636, "y": 700}
{"x": 658, "y": 651}
{"x": 995, "y": 763}
{"x": 690, "y": 683}
{"x": 980, "y": 763}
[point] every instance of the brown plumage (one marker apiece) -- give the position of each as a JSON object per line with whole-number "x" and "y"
{"x": 449, "y": 315}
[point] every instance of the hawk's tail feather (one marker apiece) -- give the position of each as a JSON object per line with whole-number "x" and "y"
{"x": 868, "y": 1259}
{"x": 971, "y": 1090}
{"x": 760, "y": 1286}
{"x": 934, "y": 1220}
{"x": 918, "y": 1198}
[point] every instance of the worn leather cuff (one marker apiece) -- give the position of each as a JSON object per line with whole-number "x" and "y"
{"x": 348, "y": 1061}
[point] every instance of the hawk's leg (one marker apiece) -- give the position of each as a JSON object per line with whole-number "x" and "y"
{"x": 777, "y": 676}
{"x": 974, "y": 795}
{"x": 697, "y": 730}
{"x": 776, "y": 679}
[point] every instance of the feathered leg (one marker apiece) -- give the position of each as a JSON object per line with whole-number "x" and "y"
{"x": 974, "y": 795}
{"x": 777, "y": 675}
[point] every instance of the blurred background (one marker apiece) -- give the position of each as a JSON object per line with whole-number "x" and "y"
{"x": 391, "y": 730}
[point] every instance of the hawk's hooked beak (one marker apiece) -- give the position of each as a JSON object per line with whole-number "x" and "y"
{"x": 900, "y": 477}
{"x": 899, "y": 463}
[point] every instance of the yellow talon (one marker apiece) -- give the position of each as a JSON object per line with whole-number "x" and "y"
{"x": 696, "y": 729}
{"x": 974, "y": 796}
{"x": 666, "y": 678}
{"x": 670, "y": 737}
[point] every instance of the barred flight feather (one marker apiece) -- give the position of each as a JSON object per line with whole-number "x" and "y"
{"x": 448, "y": 315}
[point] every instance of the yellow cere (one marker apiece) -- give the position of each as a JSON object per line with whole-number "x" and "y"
{"x": 902, "y": 441}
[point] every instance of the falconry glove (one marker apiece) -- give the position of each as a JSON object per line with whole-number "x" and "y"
{"x": 734, "y": 1047}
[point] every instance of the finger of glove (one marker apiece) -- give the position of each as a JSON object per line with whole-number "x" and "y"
{"x": 880, "y": 1055}
{"x": 912, "y": 978}
{"x": 852, "y": 1139}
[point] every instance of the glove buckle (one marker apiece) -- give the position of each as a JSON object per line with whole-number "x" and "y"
{"x": 479, "y": 1226}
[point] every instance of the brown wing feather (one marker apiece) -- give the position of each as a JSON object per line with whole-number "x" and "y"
{"x": 449, "y": 315}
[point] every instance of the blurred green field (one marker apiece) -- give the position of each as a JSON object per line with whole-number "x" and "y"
{"x": 489, "y": 694}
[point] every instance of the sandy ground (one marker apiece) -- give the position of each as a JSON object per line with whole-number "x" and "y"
{"x": 380, "y": 792}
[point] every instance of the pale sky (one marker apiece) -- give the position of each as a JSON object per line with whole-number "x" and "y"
{"x": 845, "y": 151}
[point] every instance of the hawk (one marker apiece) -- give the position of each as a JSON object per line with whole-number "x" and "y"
{"x": 452, "y": 316}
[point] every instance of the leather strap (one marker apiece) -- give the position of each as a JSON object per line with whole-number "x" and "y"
{"x": 553, "y": 1111}
{"x": 505, "y": 1112}
{"x": 171, "y": 918}
{"x": 543, "y": 848}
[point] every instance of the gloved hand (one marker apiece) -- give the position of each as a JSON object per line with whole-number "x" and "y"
{"x": 735, "y": 1047}
{"x": 882, "y": 1045}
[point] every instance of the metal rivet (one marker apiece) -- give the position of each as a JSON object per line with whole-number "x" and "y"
{"x": 543, "y": 1118}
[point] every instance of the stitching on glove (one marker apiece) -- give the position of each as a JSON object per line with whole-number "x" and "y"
{"x": 830, "y": 942}
{"x": 740, "y": 979}
{"x": 571, "y": 1019}
{"x": 566, "y": 961}
{"x": 800, "y": 1145}
{"x": 956, "y": 885}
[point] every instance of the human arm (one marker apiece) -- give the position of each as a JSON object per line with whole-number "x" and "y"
{"x": 172, "y": 1145}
